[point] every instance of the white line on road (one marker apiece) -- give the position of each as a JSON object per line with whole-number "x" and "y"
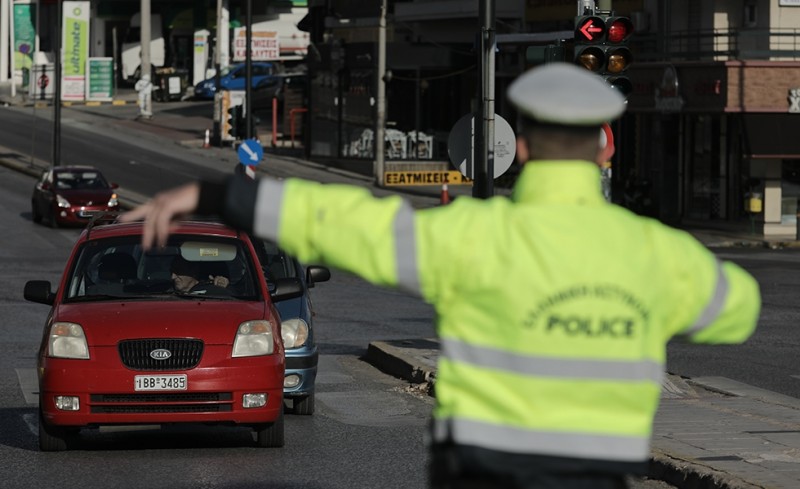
{"x": 29, "y": 384}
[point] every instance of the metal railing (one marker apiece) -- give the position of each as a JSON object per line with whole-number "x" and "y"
{"x": 719, "y": 45}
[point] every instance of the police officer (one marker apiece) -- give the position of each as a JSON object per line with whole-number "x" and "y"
{"x": 554, "y": 307}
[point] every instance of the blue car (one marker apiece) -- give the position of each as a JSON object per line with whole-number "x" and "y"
{"x": 233, "y": 78}
{"x": 297, "y": 326}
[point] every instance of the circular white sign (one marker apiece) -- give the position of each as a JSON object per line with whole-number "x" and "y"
{"x": 460, "y": 146}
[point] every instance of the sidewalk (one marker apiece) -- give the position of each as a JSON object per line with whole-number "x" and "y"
{"x": 709, "y": 432}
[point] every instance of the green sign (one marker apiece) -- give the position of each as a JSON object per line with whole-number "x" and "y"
{"x": 24, "y": 37}
{"x": 100, "y": 79}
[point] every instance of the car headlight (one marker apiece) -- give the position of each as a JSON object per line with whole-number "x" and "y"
{"x": 68, "y": 341}
{"x": 113, "y": 201}
{"x": 294, "y": 333}
{"x": 253, "y": 338}
{"x": 62, "y": 202}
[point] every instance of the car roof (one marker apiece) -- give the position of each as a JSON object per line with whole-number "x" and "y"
{"x": 113, "y": 230}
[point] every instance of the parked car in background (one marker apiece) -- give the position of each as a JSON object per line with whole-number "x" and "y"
{"x": 297, "y": 319}
{"x": 126, "y": 343}
{"x": 71, "y": 195}
{"x": 233, "y": 78}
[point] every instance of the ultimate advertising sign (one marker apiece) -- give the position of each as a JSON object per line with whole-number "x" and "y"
{"x": 75, "y": 40}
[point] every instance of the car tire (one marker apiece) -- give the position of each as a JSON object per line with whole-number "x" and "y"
{"x": 37, "y": 218}
{"x": 270, "y": 435}
{"x": 304, "y": 406}
{"x": 52, "y": 438}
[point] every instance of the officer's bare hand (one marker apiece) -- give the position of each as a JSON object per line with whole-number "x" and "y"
{"x": 161, "y": 210}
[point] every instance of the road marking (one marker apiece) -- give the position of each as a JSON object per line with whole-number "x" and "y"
{"x": 33, "y": 423}
{"x": 29, "y": 384}
{"x": 795, "y": 376}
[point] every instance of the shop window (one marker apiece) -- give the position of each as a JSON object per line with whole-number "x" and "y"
{"x": 750, "y": 14}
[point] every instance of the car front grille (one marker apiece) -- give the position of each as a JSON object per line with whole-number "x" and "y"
{"x": 189, "y": 402}
{"x": 184, "y": 353}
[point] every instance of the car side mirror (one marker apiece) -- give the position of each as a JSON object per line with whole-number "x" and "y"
{"x": 39, "y": 291}
{"x": 45, "y": 186}
{"x": 285, "y": 289}
{"x": 317, "y": 273}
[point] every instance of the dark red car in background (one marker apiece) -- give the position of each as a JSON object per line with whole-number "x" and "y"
{"x": 124, "y": 345}
{"x": 71, "y": 195}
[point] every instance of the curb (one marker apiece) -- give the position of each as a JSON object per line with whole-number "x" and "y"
{"x": 691, "y": 475}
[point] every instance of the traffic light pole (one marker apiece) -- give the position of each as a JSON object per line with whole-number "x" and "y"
{"x": 216, "y": 136}
{"x": 380, "y": 105}
{"x": 483, "y": 186}
{"x": 56, "y": 88}
{"x": 248, "y": 91}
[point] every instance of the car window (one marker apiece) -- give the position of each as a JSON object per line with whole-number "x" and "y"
{"x": 275, "y": 262}
{"x": 80, "y": 180}
{"x": 119, "y": 267}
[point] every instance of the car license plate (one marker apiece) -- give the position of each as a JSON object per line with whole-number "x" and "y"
{"x": 159, "y": 382}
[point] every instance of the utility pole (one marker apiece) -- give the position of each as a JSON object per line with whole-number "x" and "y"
{"x": 380, "y": 112}
{"x": 248, "y": 68}
{"x": 145, "y": 84}
{"x": 57, "y": 89}
{"x": 216, "y": 136}
{"x": 483, "y": 186}
{"x": 5, "y": 22}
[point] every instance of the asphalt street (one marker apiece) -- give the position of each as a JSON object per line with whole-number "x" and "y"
{"x": 740, "y": 436}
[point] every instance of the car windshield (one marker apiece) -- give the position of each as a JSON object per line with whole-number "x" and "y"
{"x": 190, "y": 266}
{"x": 79, "y": 180}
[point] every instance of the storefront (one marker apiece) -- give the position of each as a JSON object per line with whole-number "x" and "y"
{"x": 712, "y": 136}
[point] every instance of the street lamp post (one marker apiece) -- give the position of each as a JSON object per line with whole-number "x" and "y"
{"x": 380, "y": 112}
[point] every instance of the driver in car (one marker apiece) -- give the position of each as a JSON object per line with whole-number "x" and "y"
{"x": 186, "y": 278}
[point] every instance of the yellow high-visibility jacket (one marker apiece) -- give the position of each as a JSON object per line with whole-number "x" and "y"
{"x": 554, "y": 306}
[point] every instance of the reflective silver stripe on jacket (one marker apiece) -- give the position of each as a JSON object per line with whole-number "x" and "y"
{"x": 267, "y": 213}
{"x": 541, "y": 442}
{"x": 714, "y": 306}
{"x": 406, "y": 249}
{"x": 621, "y": 370}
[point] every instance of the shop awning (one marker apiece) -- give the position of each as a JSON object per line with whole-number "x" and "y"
{"x": 771, "y": 135}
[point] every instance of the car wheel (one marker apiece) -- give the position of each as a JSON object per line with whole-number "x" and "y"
{"x": 35, "y": 213}
{"x": 270, "y": 435}
{"x": 52, "y": 438}
{"x": 303, "y": 406}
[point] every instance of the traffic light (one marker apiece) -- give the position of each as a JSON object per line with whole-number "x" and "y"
{"x": 601, "y": 47}
{"x": 618, "y": 32}
{"x": 233, "y": 123}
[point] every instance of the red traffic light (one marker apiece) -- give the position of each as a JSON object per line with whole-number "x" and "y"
{"x": 619, "y": 29}
{"x": 589, "y": 29}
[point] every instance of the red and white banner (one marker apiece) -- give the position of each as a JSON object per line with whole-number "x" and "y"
{"x": 265, "y": 45}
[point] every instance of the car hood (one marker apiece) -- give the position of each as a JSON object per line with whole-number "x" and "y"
{"x": 98, "y": 196}
{"x": 215, "y": 322}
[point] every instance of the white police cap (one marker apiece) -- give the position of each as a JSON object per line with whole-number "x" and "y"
{"x": 565, "y": 94}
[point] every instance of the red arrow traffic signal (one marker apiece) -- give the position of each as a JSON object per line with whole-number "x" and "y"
{"x": 590, "y": 29}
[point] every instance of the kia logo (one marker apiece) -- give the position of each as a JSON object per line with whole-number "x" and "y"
{"x": 160, "y": 354}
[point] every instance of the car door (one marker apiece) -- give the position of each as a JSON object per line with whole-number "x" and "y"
{"x": 235, "y": 79}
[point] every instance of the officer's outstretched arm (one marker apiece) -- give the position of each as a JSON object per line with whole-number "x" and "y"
{"x": 733, "y": 311}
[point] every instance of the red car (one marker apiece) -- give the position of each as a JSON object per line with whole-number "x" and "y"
{"x": 71, "y": 195}
{"x": 187, "y": 333}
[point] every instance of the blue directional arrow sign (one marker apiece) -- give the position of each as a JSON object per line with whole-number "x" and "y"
{"x": 250, "y": 152}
